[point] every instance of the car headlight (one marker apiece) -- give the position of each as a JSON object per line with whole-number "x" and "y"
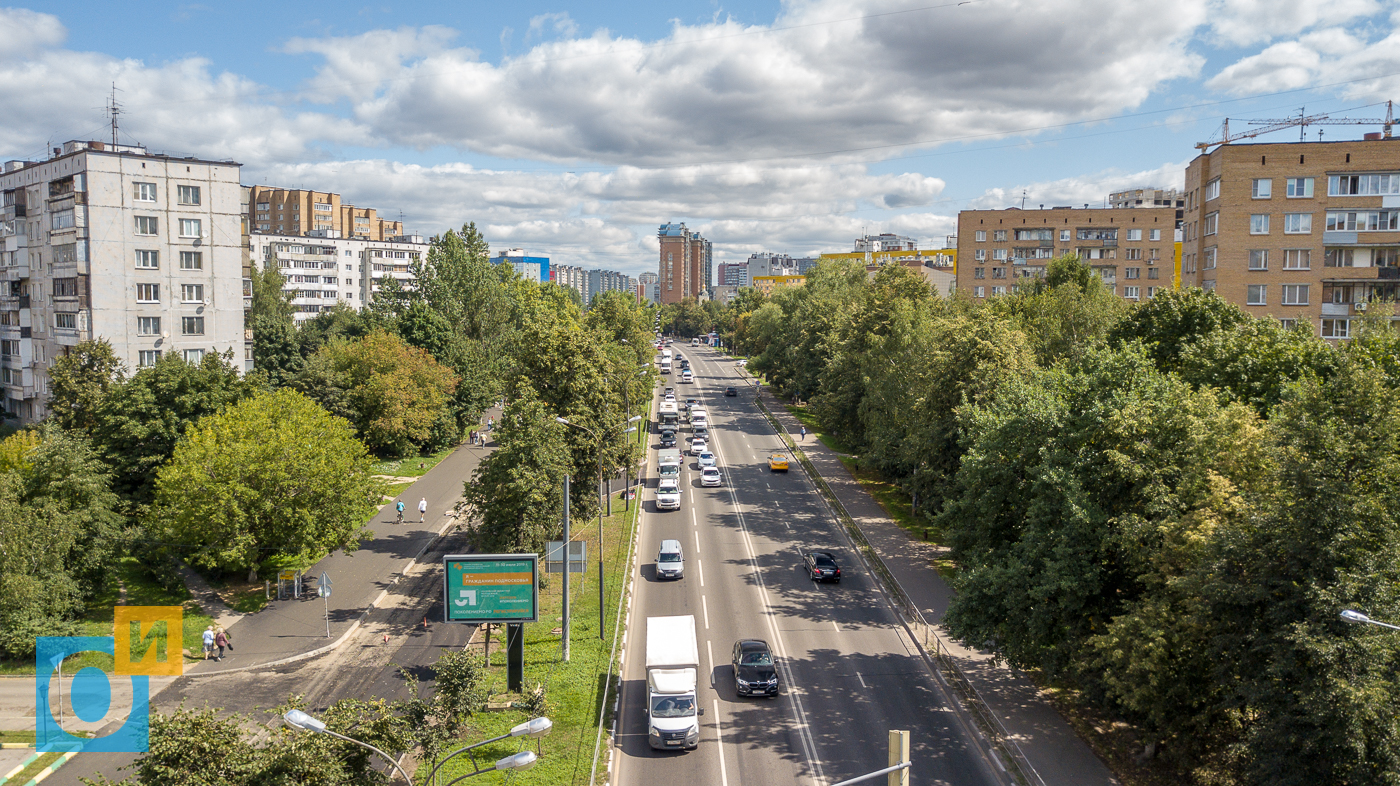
{"x": 654, "y": 732}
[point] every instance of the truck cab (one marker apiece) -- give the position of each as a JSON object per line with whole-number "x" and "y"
{"x": 673, "y": 659}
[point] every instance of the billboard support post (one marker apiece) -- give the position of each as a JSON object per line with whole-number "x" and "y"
{"x": 515, "y": 656}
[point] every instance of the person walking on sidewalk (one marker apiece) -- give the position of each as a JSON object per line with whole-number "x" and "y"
{"x": 220, "y": 641}
{"x": 422, "y": 510}
{"x": 208, "y": 642}
{"x": 804, "y": 433}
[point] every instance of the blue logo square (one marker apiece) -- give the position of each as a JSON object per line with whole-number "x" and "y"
{"x": 91, "y": 695}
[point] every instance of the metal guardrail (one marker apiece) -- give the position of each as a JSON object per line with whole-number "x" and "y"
{"x": 924, "y": 633}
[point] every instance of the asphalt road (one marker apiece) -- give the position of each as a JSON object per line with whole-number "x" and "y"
{"x": 848, "y": 669}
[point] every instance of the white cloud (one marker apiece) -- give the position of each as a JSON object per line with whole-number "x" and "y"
{"x": 1325, "y": 56}
{"x": 1244, "y": 22}
{"x": 1090, "y": 188}
{"x": 23, "y": 32}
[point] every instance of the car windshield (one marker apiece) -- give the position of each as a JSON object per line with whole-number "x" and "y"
{"x": 670, "y": 557}
{"x": 757, "y": 659}
{"x": 707, "y": 455}
{"x": 673, "y": 707}
{"x": 710, "y": 472}
{"x": 823, "y": 561}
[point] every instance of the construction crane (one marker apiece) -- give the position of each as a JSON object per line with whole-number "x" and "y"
{"x": 1302, "y": 120}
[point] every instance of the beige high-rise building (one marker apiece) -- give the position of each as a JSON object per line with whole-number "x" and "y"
{"x": 292, "y": 211}
{"x": 1297, "y": 230}
{"x": 1135, "y": 251}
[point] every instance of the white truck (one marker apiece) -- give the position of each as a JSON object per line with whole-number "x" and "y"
{"x": 673, "y": 659}
{"x": 668, "y": 463}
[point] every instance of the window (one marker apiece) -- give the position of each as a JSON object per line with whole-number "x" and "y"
{"x": 1363, "y": 185}
{"x": 147, "y": 225}
{"x": 1340, "y": 294}
{"x": 1300, "y": 187}
{"x": 1208, "y": 226}
{"x": 999, "y": 236}
{"x": 1297, "y": 259}
{"x": 1154, "y": 234}
{"x": 65, "y": 319}
{"x": 1152, "y": 272}
{"x": 191, "y": 326}
{"x": 148, "y": 326}
{"x": 63, "y": 219}
{"x": 1132, "y": 272}
{"x": 1336, "y": 328}
{"x": 145, "y": 192}
{"x": 1064, "y": 235}
{"x": 998, "y": 291}
{"x": 1132, "y": 253}
{"x": 65, "y": 287}
{"x": 1288, "y": 324}
{"x": 979, "y": 272}
{"x": 322, "y": 207}
{"x": 1337, "y": 257}
{"x": 1362, "y": 220}
{"x": 1213, "y": 189}
{"x": 1210, "y": 259}
{"x": 1154, "y": 253}
{"x": 1259, "y": 224}
{"x": 189, "y": 227}
{"x": 1257, "y": 295}
{"x": 192, "y": 293}
{"x": 147, "y": 357}
{"x": 148, "y": 293}
{"x": 998, "y": 272}
{"x": 1262, "y": 188}
{"x": 1151, "y": 292}
{"x": 191, "y": 260}
{"x": 981, "y": 236}
{"x": 1021, "y": 234}
{"x": 188, "y": 195}
{"x": 147, "y": 260}
{"x": 1097, "y": 234}
{"x": 998, "y": 253}
{"x": 1208, "y": 285}
{"x": 193, "y": 355}
{"x": 1131, "y": 293}
{"x": 1259, "y": 259}
{"x": 1295, "y": 294}
{"x": 979, "y": 254}
{"x": 263, "y": 207}
{"x": 1135, "y": 234}
{"x": 1297, "y": 223}
{"x": 1385, "y": 257}
{"x": 979, "y": 291}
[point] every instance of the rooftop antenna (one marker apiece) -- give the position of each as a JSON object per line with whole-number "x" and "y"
{"x": 1023, "y": 199}
{"x": 114, "y": 109}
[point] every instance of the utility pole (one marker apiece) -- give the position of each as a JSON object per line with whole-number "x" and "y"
{"x": 899, "y": 754}
{"x": 567, "y": 565}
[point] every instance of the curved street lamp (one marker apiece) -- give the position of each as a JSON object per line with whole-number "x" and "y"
{"x": 1361, "y": 619}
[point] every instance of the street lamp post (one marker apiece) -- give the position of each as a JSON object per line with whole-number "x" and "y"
{"x": 535, "y": 727}
{"x": 1361, "y": 619}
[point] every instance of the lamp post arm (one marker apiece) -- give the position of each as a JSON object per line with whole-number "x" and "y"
{"x": 386, "y": 756}
{"x": 460, "y": 751}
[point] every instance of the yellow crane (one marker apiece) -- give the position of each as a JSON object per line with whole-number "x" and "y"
{"x": 1302, "y": 121}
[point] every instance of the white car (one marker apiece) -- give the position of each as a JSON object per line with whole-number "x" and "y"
{"x": 707, "y": 459}
{"x": 709, "y": 476}
{"x": 668, "y": 494}
{"x": 671, "y": 397}
{"x": 698, "y": 446}
{"x": 741, "y": 363}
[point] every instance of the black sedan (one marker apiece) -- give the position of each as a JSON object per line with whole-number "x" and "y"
{"x": 668, "y": 439}
{"x": 754, "y": 673}
{"x": 730, "y": 392}
{"x": 821, "y": 566}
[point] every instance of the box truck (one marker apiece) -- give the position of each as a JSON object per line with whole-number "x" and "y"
{"x": 673, "y": 660}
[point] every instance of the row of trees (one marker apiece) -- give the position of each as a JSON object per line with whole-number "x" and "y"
{"x": 1164, "y": 505}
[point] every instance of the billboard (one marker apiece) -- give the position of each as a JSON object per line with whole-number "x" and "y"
{"x": 490, "y": 587}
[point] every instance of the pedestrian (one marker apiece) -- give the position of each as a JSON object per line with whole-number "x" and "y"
{"x": 208, "y": 642}
{"x": 220, "y": 641}
{"x": 804, "y": 433}
{"x": 490, "y": 425}
{"x": 398, "y": 506}
{"x": 422, "y": 510}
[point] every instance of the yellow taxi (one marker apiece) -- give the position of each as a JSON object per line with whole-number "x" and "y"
{"x": 778, "y": 462}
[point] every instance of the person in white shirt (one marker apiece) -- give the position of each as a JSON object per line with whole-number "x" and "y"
{"x": 422, "y": 510}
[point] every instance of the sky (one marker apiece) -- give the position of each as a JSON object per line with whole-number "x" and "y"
{"x": 573, "y": 130}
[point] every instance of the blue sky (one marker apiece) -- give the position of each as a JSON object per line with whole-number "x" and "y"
{"x": 572, "y": 130}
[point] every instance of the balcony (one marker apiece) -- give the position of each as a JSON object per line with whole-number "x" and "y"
{"x": 1388, "y": 273}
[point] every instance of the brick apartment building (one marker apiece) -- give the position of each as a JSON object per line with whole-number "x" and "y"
{"x": 1297, "y": 230}
{"x": 293, "y": 211}
{"x": 685, "y": 265}
{"x": 1134, "y": 250}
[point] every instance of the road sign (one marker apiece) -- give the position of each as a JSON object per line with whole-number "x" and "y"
{"x": 325, "y": 579}
{"x": 491, "y": 587}
{"x": 554, "y": 556}
{"x": 324, "y": 590}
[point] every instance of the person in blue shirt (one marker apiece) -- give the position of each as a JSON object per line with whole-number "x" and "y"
{"x": 399, "y": 507}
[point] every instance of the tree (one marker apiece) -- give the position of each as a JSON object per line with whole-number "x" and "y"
{"x": 395, "y": 394}
{"x": 1256, "y": 361}
{"x": 80, "y": 380}
{"x": 140, "y": 421}
{"x": 272, "y": 476}
{"x": 517, "y": 491}
{"x": 1067, "y": 312}
{"x": 1173, "y": 320}
{"x": 686, "y": 318}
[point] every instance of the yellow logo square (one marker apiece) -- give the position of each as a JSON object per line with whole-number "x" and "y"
{"x": 149, "y": 640}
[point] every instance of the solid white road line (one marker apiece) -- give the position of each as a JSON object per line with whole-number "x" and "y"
{"x": 834, "y": 625}
{"x": 719, "y": 740}
{"x": 700, "y": 566}
{"x": 697, "y": 543}
{"x": 862, "y": 681}
{"x": 705, "y": 607}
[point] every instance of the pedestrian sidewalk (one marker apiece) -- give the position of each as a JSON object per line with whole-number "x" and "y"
{"x": 1046, "y": 740}
{"x": 291, "y": 630}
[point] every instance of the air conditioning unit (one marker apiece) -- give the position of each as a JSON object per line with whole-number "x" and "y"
{"x": 1360, "y": 306}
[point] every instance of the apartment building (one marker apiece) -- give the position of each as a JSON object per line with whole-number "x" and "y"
{"x": 685, "y": 268}
{"x": 1297, "y": 230}
{"x": 731, "y": 274}
{"x": 648, "y": 288}
{"x": 767, "y": 284}
{"x": 937, "y": 266}
{"x": 294, "y": 211}
{"x": 534, "y": 269}
{"x": 113, "y": 242}
{"x": 572, "y": 276}
{"x": 322, "y": 271}
{"x": 1135, "y": 251}
{"x": 886, "y": 242}
{"x": 600, "y": 281}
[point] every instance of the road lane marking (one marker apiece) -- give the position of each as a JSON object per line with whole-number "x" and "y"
{"x": 719, "y": 740}
{"x": 705, "y": 607}
{"x": 862, "y": 681}
{"x": 710, "y": 656}
{"x": 834, "y": 625}
{"x": 697, "y": 543}
{"x": 695, "y": 522}
{"x": 700, "y": 565}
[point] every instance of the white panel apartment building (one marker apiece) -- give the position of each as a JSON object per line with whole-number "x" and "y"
{"x": 100, "y": 242}
{"x": 322, "y": 269}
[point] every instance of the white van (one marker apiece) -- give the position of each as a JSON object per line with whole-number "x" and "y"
{"x": 686, "y": 376}
{"x": 695, "y": 342}
{"x": 670, "y": 560}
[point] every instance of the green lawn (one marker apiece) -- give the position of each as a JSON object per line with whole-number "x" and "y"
{"x": 572, "y": 689}
{"x": 17, "y": 736}
{"x": 412, "y": 466}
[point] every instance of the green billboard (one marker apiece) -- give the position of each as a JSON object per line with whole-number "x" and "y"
{"x": 491, "y": 587}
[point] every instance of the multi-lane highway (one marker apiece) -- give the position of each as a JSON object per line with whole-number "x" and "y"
{"x": 849, "y": 671}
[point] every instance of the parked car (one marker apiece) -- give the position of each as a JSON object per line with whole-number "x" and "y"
{"x": 821, "y": 566}
{"x": 709, "y": 476}
{"x": 778, "y": 462}
{"x": 730, "y": 392}
{"x": 707, "y": 459}
{"x": 754, "y": 671}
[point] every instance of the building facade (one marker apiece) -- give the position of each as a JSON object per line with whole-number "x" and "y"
{"x": 1305, "y": 231}
{"x": 574, "y": 277}
{"x": 112, "y": 242}
{"x": 886, "y": 242}
{"x": 534, "y": 269}
{"x": 1134, "y": 251}
{"x": 766, "y": 284}
{"x": 731, "y": 274}
{"x": 293, "y": 211}
{"x": 323, "y": 271}
{"x": 600, "y": 281}
{"x": 685, "y": 268}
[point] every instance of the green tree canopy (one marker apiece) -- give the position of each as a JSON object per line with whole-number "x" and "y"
{"x": 80, "y": 380}
{"x": 1173, "y": 320}
{"x": 517, "y": 491}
